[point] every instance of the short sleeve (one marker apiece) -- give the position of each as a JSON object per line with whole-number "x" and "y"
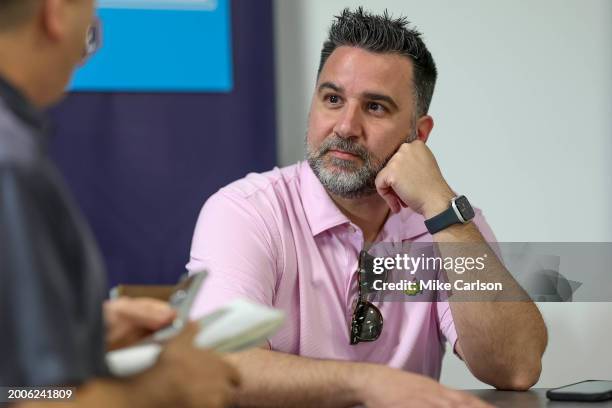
{"x": 234, "y": 243}
{"x": 445, "y": 316}
{"x": 446, "y": 323}
{"x": 51, "y": 329}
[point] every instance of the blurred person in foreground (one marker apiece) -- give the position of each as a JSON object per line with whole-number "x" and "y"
{"x": 293, "y": 238}
{"x": 54, "y": 327}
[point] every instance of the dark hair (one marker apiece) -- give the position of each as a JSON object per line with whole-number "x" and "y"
{"x": 15, "y": 12}
{"x": 384, "y": 34}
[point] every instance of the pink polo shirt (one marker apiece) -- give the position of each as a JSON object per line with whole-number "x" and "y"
{"x": 278, "y": 239}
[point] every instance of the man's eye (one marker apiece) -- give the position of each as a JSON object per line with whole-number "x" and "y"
{"x": 376, "y": 107}
{"x": 333, "y": 99}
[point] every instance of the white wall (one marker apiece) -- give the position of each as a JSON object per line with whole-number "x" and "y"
{"x": 523, "y": 110}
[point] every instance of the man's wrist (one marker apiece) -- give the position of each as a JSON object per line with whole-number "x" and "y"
{"x": 437, "y": 204}
{"x": 151, "y": 389}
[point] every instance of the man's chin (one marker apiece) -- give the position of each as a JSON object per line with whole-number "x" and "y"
{"x": 350, "y": 194}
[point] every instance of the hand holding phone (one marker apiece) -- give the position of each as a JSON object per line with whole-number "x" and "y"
{"x": 181, "y": 300}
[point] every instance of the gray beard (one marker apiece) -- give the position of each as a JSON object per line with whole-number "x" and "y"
{"x": 345, "y": 178}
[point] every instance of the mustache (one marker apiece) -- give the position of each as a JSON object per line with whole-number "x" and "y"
{"x": 345, "y": 145}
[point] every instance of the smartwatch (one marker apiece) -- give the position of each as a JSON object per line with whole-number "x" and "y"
{"x": 460, "y": 212}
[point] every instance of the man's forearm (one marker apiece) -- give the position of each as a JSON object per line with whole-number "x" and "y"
{"x": 502, "y": 343}
{"x": 502, "y": 335}
{"x": 274, "y": 379}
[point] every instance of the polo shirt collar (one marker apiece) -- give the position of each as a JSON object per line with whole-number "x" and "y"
{"x": 323, "y": 214}
{"x": 321, "y": 211}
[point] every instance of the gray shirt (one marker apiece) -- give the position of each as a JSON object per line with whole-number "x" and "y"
{"x": 52, "y": 281}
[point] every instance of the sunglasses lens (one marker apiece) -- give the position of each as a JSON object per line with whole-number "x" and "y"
{"x": 367, "y": 323}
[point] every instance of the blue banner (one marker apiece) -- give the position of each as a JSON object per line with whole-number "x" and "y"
{"x": 141, "y": 165}
{"x": 161, "y": 46}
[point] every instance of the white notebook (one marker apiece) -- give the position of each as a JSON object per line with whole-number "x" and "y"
{"x": 236, "y": 326}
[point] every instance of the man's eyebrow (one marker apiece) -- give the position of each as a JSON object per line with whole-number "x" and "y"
{"x": 380, "y": 97}
{"x": 332, "y": 86}
{"x": 373, "y": 96}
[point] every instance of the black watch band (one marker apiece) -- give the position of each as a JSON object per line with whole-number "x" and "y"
{"x": 459, "y": 212}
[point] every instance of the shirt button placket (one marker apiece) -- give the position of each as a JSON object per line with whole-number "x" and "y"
{"x": 352, "y": 257}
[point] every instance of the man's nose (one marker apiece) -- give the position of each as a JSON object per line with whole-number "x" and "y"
{"x": 349, "y": 122}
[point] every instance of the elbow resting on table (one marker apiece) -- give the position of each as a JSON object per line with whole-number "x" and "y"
{"x": 521, "y": 371}
{"x": 519, "y": 379}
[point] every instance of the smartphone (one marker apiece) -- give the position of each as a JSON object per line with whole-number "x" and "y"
{"x": 181, "y": 300}
{"x": 590, "y": 390}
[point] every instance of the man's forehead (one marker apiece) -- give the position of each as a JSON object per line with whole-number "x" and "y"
{"x": 356, "y": 70}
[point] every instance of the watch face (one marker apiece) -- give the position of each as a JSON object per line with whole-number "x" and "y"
{"x": 464, "y": 207}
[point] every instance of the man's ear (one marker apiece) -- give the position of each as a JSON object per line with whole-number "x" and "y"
{"x": 424, "y": 126}
{"x": 53, "y": 17}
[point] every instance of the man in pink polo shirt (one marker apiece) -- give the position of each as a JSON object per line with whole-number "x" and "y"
{"x": 291, "y": 238}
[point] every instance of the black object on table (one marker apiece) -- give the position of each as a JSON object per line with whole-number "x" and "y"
{"x": 534, "y": 398}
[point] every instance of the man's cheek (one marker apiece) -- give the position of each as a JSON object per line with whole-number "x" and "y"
{"x": 324, "y": 119}
{"x": 314, "y": 143}
{"x": 317, "y": 136}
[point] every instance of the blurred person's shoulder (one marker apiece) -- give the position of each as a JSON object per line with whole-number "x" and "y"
{"x": 19, "y": 149}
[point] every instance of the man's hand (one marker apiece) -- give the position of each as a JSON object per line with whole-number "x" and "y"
{"x": 412, "y": 178}
{"x": 131, "y": 319}
{"x": 183, "y": 377}
{"x": 200, "y": 378}
{"x": 385, "y": 387}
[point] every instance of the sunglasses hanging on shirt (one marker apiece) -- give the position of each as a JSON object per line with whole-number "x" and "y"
{"x": 367, "y": 321}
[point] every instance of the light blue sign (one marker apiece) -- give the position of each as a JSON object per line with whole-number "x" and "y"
{"x": 161, "y": 46}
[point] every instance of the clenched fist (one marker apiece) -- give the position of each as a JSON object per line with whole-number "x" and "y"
{"x": 413, "y": 179}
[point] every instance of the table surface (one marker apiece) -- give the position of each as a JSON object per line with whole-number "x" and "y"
{"x": 534, "y": 398}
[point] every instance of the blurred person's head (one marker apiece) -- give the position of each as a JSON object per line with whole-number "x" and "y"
{"x": 375, "y": 83}
{"x": 41, "y": 42}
